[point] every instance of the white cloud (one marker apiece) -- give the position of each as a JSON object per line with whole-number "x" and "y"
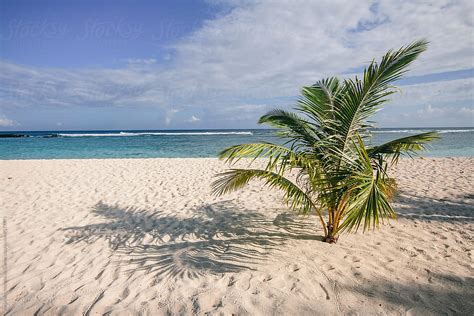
{"x": 436, "y": 92}
{"x": 243, "y": 114}
{"x": 194, "y": 119}
{"x": 436, "y": 115}
{"x": 264, "y": 50}
{"x": 169, "y": 116}
{"x": 6, "y": 122}
{"x": 272, "y": 48}
{"x": 443, "y": 103}
{"x": 467, "y": 111}
{"x": 141, "y": 61}
{"x": 445, "y": 112}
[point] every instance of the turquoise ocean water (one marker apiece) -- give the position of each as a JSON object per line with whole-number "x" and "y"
{"x": 454, "y": 142}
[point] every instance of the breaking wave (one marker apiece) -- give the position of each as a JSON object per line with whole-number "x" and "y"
{"x": 413, "y": 131}
{"x": 128, "y": 134}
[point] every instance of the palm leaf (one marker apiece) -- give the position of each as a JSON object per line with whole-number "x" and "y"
{"x": 255, "y": 150}
{"x": 278, "y": 156}
{"x": 405, "y": 145}
{"x": 235, "y": 179}
{"x": 318, "y": 101}
{"x": 291, "y": 126}
{"x": 362, "y": 98}
{"x": 369, "y": 193}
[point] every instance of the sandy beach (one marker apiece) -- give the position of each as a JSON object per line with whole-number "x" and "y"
{"x": 146, "y": 236}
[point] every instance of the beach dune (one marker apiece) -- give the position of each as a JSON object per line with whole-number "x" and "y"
{"x": 127, "y": 236}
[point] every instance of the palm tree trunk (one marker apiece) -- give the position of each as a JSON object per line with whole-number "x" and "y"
{"x": 331, "y": 235}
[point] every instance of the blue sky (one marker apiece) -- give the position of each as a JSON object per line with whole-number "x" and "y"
{"x": 220, "y": 64}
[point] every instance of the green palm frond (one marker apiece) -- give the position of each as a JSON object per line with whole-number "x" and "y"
{"x": 278, "y": 156}
{"x": 255, "y": 150}
{"x": 318, "y": 101}
{"x": 361, "y": 98}
{"x": 235, "y": 179}
{"x": 368, "y": 204}
{"x": 291, "y": 126}
{"x": 405, "y": 145}
{"x": 369, "y": 194}
{"x": 280, "y": 159}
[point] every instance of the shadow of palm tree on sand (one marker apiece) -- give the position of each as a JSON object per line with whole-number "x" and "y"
{"x": 453, "y": 209}
{"x": 217, "y": 238}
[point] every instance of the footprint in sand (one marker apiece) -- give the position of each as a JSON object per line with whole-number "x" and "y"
{"x": 268, "y": 278}
{"x": 231, "y": 281}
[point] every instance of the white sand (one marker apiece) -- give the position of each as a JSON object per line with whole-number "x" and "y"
{"x": 145, "y": 235}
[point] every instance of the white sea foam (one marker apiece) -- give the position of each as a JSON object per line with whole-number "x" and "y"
{"x": 455, "y": 131}
{"x": 128, "y": 134}
{"x": 412, "y": 131}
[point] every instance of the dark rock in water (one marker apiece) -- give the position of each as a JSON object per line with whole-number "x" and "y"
{"x": 12, "y": 135}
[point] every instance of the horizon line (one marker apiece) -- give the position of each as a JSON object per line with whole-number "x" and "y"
{"x": 207, "y": 129}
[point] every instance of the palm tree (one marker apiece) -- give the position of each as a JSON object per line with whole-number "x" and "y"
{"x": 336, "y": 174}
